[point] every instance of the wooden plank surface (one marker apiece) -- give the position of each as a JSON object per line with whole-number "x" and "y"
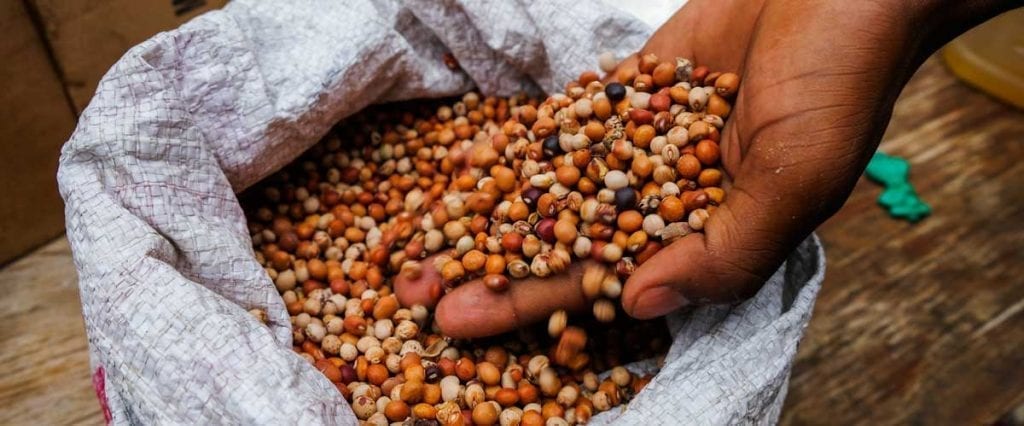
{"x": 44, "y": 363}
{"x": 924, "y": 323}
{"x": 916, "y": 323}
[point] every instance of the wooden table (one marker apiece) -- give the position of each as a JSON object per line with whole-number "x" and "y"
{"x": 924, "y": 323}
{"x": 916, "y": 323}
{"x": 44, "y": 361}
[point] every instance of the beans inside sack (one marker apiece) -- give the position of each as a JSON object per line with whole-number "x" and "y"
{"x": 496, "y": 189}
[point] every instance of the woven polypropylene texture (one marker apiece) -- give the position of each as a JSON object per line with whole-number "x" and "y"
{"x": 186, "y": 119}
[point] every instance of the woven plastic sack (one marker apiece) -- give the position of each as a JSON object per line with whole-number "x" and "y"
{"x": 185, "y": 120}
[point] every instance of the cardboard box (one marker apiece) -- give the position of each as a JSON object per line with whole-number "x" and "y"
{"x": 35, "y": 120}
{"x": 86, "y": 37}
{"x": 55, "y": 52}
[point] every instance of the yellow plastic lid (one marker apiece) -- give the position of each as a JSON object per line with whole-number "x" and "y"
{"x": 991, "y": 57}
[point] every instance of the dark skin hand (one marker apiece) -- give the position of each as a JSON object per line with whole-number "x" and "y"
{"x": 819, "y": 80}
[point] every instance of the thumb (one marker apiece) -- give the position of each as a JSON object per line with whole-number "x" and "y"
{"x": 783, "y": 188}
{"x": 735, "y": 255}
{"x": 765, "y": 214}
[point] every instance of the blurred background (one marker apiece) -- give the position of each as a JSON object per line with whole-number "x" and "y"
{"x": 917, "y": 322}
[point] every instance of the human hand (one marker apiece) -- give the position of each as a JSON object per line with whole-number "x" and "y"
{"x": 819, "y": 83}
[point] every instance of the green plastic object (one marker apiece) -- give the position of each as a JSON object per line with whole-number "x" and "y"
{"x": 899, "y": 197}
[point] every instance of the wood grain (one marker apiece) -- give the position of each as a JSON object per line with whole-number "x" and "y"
{"x": 919, "y": 324}
{"x": 924, "y": 324}
{"x": 44, "y": 363}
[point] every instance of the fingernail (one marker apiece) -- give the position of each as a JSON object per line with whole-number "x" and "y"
{"x": 657, "y": 301}
{"x": 435, "y": 291}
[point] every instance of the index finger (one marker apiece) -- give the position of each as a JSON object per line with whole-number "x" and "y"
{"x": 473, "y": 310}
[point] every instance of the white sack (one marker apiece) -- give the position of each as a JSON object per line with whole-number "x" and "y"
{"x": 193, "y": 115}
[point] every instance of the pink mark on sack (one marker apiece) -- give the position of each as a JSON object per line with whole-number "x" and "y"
{"x": 100, "y": 385}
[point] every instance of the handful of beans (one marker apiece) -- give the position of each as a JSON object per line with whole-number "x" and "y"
{"x": 496, "y": 189}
